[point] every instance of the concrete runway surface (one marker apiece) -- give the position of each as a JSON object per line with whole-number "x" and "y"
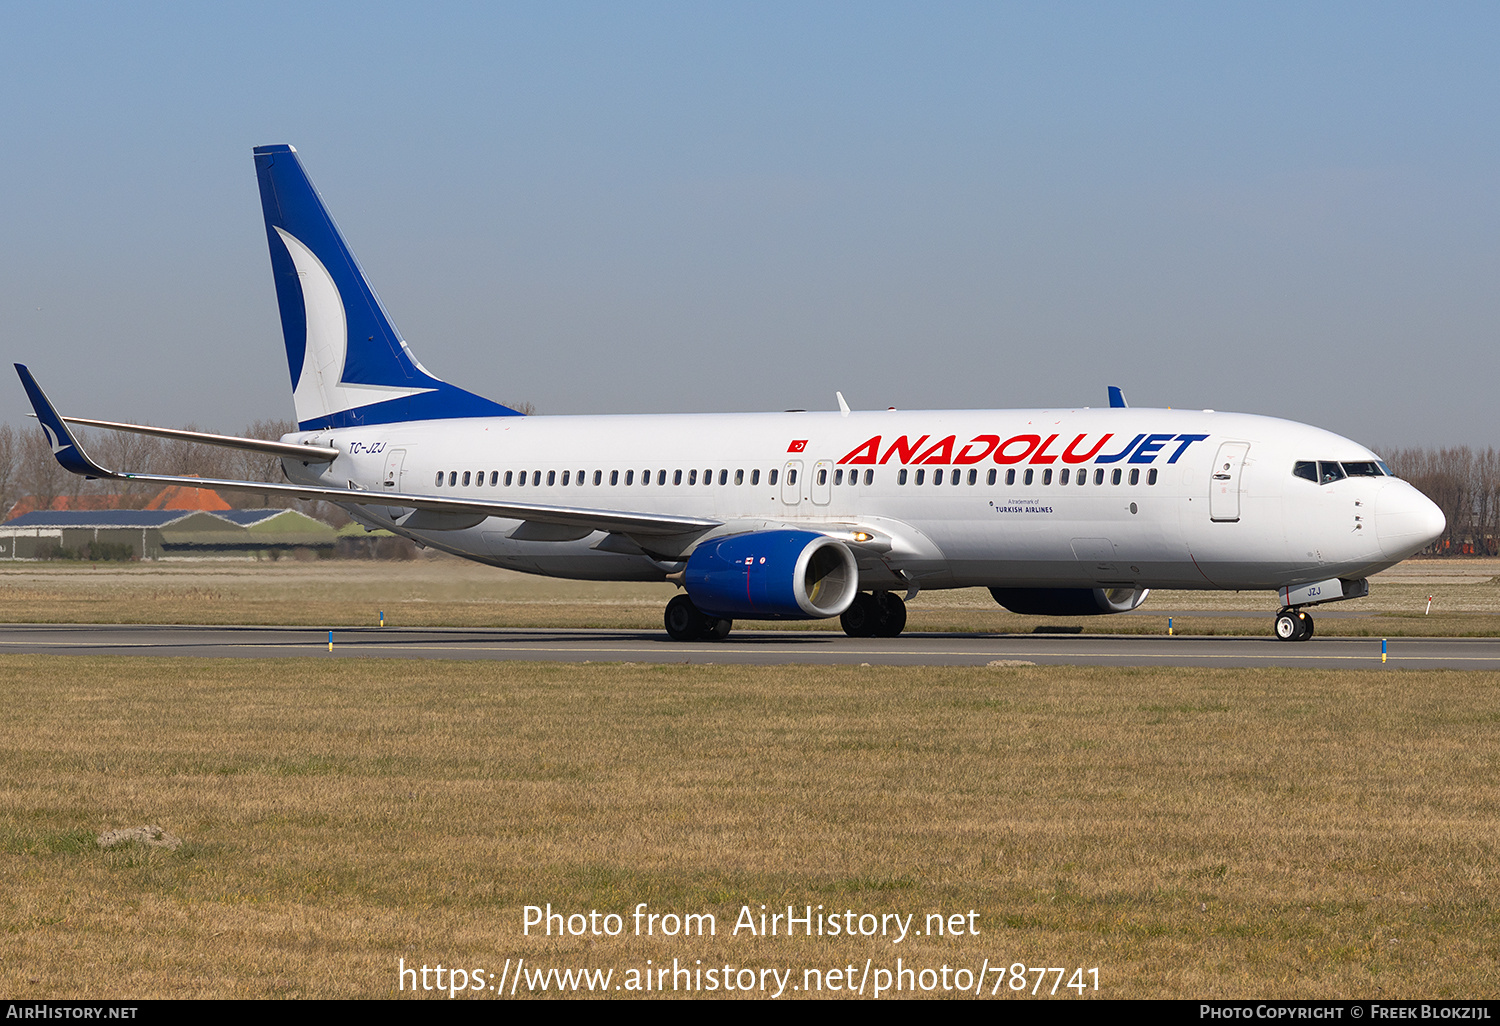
{"x": 762, "y": 647}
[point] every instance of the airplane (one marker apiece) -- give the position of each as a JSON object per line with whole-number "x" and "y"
{"x": 797, "y": 515}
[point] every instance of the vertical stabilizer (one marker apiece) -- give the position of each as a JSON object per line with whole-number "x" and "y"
{"x": 349, "y": 365}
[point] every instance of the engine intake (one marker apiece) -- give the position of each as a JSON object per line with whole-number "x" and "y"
{"x": 772, "y": 575}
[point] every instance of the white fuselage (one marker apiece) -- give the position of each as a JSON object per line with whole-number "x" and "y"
{"x": 1008, "y": 519}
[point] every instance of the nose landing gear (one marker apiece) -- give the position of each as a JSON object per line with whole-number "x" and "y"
{"x": 1293, "y": 625}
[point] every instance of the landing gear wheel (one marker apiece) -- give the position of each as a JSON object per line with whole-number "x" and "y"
{"x": 862, "y": 617}
{"x": 1293, "y": 625}
{"x": 717, "y": 630}
{"x": 891, "y": 619}
{"x": 683, "y": 620}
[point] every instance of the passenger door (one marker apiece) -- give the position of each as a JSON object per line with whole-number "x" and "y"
{"x": 1224, "y": 486}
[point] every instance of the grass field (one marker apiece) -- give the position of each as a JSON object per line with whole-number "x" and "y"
{"x": 1191, "y": 833}
{"x": 452, "y": 592}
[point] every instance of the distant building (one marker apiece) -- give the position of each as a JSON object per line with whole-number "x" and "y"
{"x": 163, "y": 534}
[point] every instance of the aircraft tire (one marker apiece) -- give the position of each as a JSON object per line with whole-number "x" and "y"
{"x": 717, "y": 630}
{"x": 683, "y": 620}
{"x": 1293, "y": 625}
{"x": 891, "y": 619}
{"x": 861, "y": 619}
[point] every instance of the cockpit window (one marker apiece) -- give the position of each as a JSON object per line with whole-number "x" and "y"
{"x": 1306, "y": 469}
{"x": 1382, "y": 465}
{"x": 1363, "y": 469}
{"x": 1328, "y": 472}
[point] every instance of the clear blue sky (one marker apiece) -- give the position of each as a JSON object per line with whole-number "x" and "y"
{"x": 1279, "y": 208}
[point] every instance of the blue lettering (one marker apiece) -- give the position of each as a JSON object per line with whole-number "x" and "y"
{"x": 1149, "y": 448}
{"x": 1117, "y": 457}
{"x": 1186, "y": 441}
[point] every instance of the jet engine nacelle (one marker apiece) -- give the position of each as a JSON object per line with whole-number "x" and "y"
{"x": 1069, "y": 601}
{"x": 772, "y": 575}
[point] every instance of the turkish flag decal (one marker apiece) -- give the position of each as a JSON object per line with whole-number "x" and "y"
{"x": 798, "y": 446}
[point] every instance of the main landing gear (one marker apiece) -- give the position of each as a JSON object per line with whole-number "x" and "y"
{"x": 874, "y": 615}
{"x": 1293, "y": 625}
{"x": 685, "y": 622}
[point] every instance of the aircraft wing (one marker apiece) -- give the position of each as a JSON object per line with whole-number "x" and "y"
{"x": 291, "y": 450}
{"x": 70, "y": 453}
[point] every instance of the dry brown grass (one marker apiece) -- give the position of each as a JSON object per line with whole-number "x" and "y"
{"x": 1271, "y": 833}
{"x": 452, "y": 592}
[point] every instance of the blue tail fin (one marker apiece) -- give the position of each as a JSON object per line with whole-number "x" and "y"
{"x": 349, "y": 365}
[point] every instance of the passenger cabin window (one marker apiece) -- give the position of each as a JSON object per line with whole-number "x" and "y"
{"x": 739, "y": 477}
{"x": 452, "y": 478}
{"x": 921, "y": 476}
{"x": 1047, "y": 476}
{"x": 495, "y": 478}
{"x": 1099, "y": 476}
{"x": 1330, "y": 472}
{"x": 692, "y": 477}
{"x": 791, "y": 477}
{"x": 991, "y": 478}
{"x": 755, "y": 477}
{"x": 551, "y": 478}
{"x": 973, "y": 477}
{"x": 1115, "y": 477}
{"x": 536, "y": 477}
{"x": 439, "y": 481}
{"x": 629, "y": 477}
{"x": 838, "y": 476}
{"x": 771, "y": 477}
{"x": 565, "y": 478}
{"x": 1135, "y": 475}
{"x": 1062, "y": 476}
{"x": 1026, "y": 478}
{"x": 614, "y": 478}
{"x": 901, "y": 477}
{"x": 723, "y": 477}
{"x": 1150, "y": 477}
{"x": 1010, "y": 476}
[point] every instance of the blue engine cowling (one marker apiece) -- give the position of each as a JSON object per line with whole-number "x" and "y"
{"x": 1069, "y": 601}
{"x": 772, "y": 575}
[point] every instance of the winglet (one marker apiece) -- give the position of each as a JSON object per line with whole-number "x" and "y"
{"x": 1117, "y": 398}
{"x": 64, "y": 446}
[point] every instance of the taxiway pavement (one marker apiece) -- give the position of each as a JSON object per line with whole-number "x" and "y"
{"x": 761, "y": 647}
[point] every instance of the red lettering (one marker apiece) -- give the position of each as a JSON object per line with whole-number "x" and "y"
{"x": 1041, "y": 454}
{"x": 965, "y": 456}
{"x": 863, "y": 453}
{"x": 1031, "y": 441}
{"x": 904, "y": 448}
{"x": 941, "y": 452}
{"x": 1069, "y": 456}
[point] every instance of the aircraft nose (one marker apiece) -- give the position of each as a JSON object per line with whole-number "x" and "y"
{"x": 1406, "y": 521}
